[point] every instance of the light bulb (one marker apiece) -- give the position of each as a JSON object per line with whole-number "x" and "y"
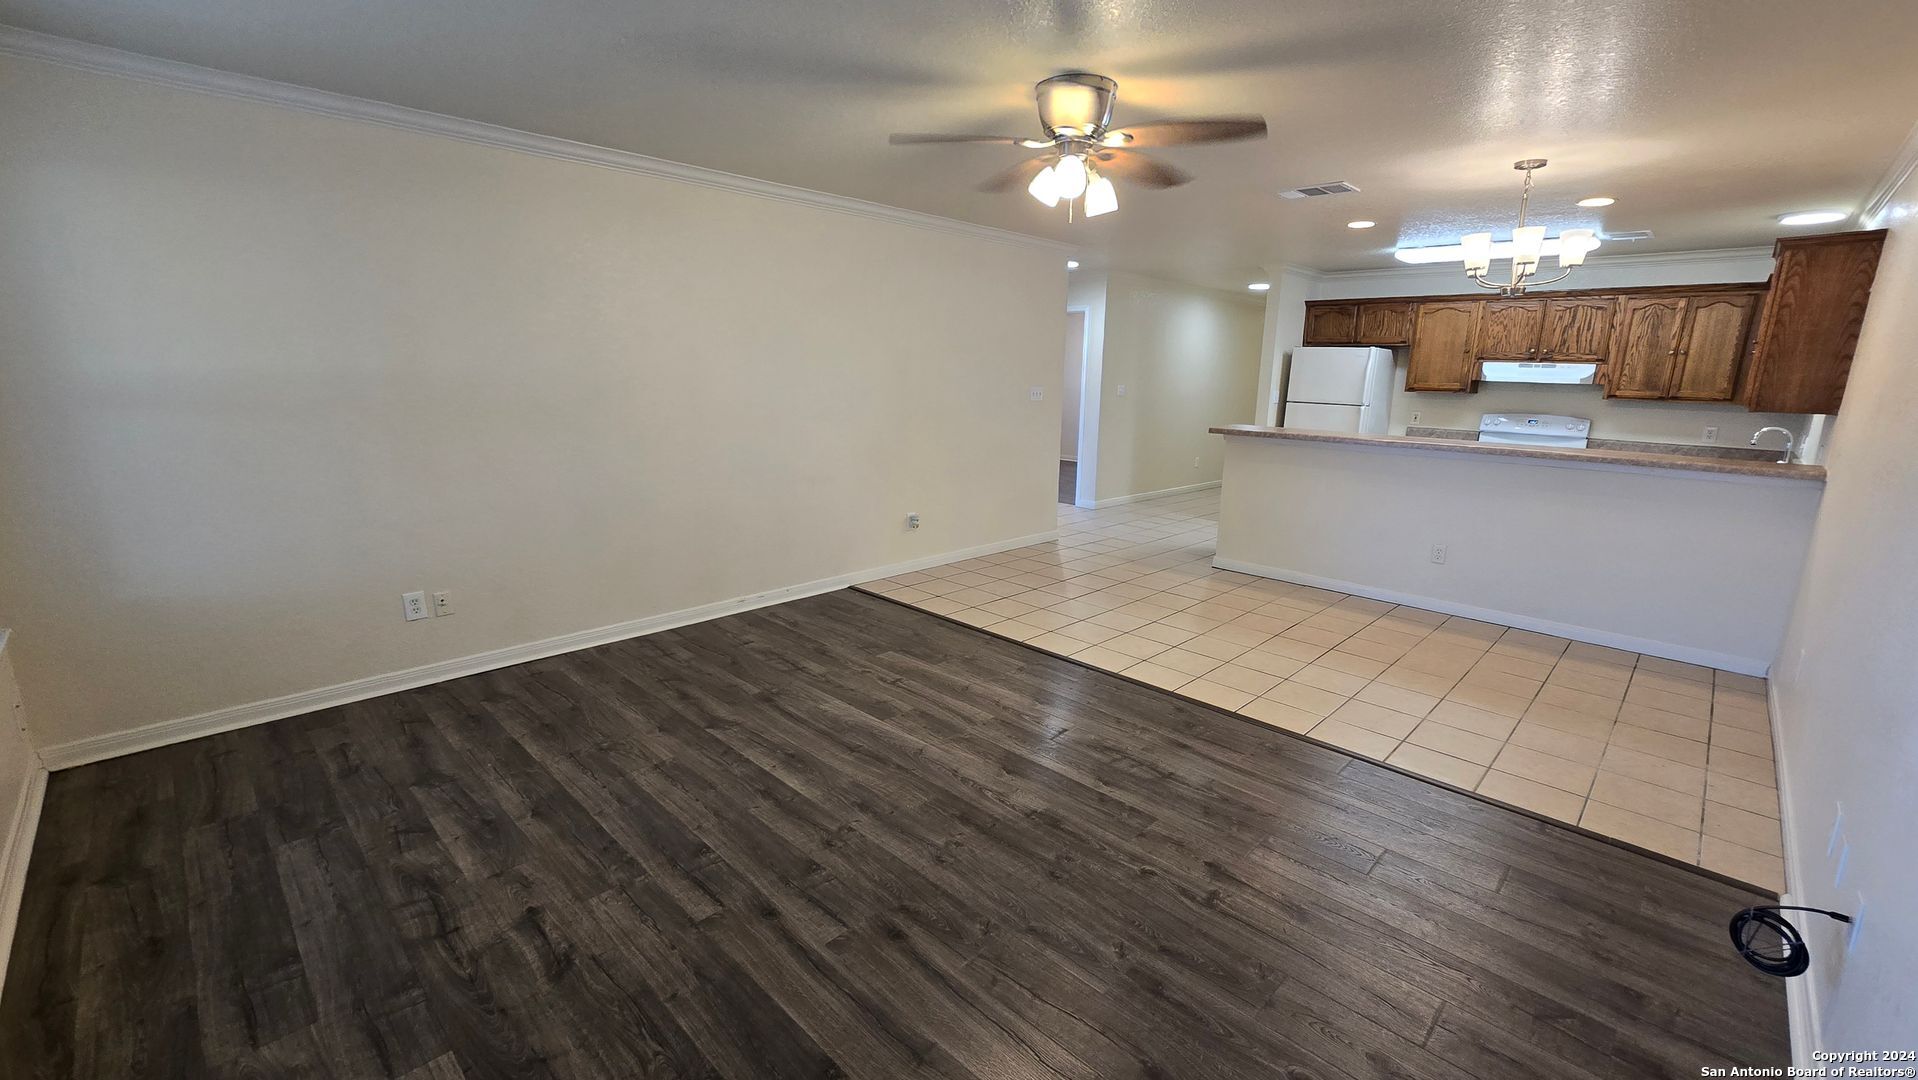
{"x": 1528, "y": 244}
{"x": 1477, "y": 252}
{"x": 1070, "y": 174}
{"x": 1045, "y": 186}
{"x": 1573, "y": 244}
{"x": 1100, "y": 197}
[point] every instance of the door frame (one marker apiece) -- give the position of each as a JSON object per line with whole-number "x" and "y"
{"x": 1086, "y": 474}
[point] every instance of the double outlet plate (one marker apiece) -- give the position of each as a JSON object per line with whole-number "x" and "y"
{"x": 415, "y": 605}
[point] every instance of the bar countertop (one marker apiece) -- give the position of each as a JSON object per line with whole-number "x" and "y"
{"x": 1721, "y": 466}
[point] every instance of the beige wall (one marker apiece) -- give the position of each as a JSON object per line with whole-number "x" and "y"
{"x": 1073, "y": 377}
{"x": 1086, "y": 291}
{"x": 1188, "y": 358}
{"x": 265, "y": 370}
{"x": 1672, "y": 422}
{"x": 17, "y": 759}
{"x": 1685, "y": 565}
{"x": 1846, "y": 688}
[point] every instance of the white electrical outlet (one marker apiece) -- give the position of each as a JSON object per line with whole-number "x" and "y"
{"x": 1121, "y": 390}
{"x": 1195, "y": 461}
{"x": 413, "y": 606}
{"x": 912, "y": 521}
{"x": 442, "y": 603}
{"x": 1711, "y": 434}
{"x": 1438, "y": 553}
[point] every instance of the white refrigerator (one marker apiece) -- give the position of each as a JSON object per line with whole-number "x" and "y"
{"x": 1339, "y": 389}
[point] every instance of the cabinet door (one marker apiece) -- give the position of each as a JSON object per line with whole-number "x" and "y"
{"x": 1385, "y": 324}
{"x": 1811, "y": 319}
{"x": 1444, "y": 345}
{"x": 1645, "y": 347}
{"x": 1331, "y": 324}
{"x": 1509, "y": 329}
{"x": 1712, "y": 346}
{"x": 1579, "y": 329}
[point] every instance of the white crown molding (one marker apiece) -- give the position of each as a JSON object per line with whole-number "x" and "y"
{"x": 110, "y": 61}
{"x": 166, "y": 732}
{"x": 1903, "y": 165}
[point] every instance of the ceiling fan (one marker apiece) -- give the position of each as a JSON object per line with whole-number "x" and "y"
{"x": 1084, "y": 152}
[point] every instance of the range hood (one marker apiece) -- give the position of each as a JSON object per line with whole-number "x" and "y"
{"x": 1526, "y": 371}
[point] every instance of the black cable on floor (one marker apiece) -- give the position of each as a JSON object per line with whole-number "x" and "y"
{"x": 1790, "y": 956}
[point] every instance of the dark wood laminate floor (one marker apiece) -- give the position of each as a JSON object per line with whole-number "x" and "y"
{"x": 839, "y": 837}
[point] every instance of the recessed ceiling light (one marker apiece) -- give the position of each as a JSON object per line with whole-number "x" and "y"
{"x": 1597, "y": 201}
{"x": 1360, "y": 224}
{"x": 1072, "y": 264}
{"x": 1259, "y": 286}
{"x": 1812, "y": 217}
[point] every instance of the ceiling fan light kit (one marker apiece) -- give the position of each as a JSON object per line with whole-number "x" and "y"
{"x": 1085, "y": 153}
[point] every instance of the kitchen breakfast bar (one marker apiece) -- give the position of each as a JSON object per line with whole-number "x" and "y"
{"x": 1689, "y": 558}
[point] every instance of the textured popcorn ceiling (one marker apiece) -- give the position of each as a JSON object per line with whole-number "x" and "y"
{"x": 1705, "y": 119}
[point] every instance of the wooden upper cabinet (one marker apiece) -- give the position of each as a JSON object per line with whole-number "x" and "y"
{"x": 1802, "y": 353}
{"x": 1711, "y": 346}
{"x": 1385, "y": 323}
{"x": 1331, "y": 324}
{"x": 1577, "y": 330}
{"x": 1444, "y": 345}
{"x": 1371, "y": 322}
{"x": 1645, "y": 346}
{"x": 1509, "y": 329}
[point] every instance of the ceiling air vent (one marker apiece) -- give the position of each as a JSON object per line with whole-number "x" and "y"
{"x": 1336, "y": 187}
{"x": 1633, "y": 234}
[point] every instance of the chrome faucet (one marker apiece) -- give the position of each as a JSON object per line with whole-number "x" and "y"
{"x": 1786, "y": 460}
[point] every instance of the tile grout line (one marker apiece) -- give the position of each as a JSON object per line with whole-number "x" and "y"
{"x": 1161, "y": 550}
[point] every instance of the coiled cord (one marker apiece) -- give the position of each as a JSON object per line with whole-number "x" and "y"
{"x": 1790, "y": 956}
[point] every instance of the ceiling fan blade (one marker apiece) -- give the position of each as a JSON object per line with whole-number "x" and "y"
{"x": 1139, "y": 169}
{"x": 1016, "y": 177}
{"x": 913, "y": 138}
{"x": 1187, "y": 132}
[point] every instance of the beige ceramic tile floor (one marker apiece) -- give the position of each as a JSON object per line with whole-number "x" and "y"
{"x": 1670, "y": 757}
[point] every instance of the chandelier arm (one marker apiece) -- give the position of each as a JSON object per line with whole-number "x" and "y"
{"x": 1562, "y": 275}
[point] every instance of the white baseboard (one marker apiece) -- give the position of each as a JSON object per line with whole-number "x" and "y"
{"x": 1743, "y": 665}
{"x": 100, "y": 747}
{"x": 25, "y": 822}
{"x": 1100, "y": 504}
{"x": 1801, "y": 992}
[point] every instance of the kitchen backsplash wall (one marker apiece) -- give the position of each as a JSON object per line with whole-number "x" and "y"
{"x": 1638, "y": 421}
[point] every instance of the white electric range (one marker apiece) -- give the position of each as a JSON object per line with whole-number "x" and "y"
{"x": 1534, "y": 429}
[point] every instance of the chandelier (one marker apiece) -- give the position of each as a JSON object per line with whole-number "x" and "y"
{"x": 1526, "y": 247}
